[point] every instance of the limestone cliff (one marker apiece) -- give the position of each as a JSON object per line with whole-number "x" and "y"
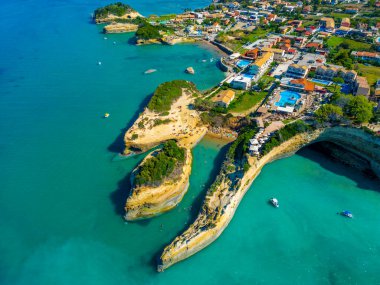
{"x": 181, "y": 124}
{"x": 140, "y": 42}
{"x": 226, "y": 193}
{"x": 112, "y": 18}
{"x": 116, "y": 28}
{"x": 148, "y": 201}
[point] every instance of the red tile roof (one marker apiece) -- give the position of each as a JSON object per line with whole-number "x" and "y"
{"x": 307, "y": 85}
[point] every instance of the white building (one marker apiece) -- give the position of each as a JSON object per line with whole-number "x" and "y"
{"x": 261, "y": 64}
{"x": 241, "y": 82}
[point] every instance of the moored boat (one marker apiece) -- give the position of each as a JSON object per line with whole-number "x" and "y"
{"x": 190, "y": 70}
{"x": 106, "y": 115}
{"x": 274, "y": 202}
{"x": 150, "y": 71}
{"x": 347, "y": 214}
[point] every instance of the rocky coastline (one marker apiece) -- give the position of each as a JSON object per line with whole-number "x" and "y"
{"x": 117, "y": 28}
{"x": 112, "y": 18}
{"x": 148, "y": 201}
{"x": 151, "y": 129}
{"x": 225, "y": 195}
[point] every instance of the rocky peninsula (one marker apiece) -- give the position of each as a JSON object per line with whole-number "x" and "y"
{"x": 150, "y": 199}
{"x": 155, "y": 126}
{"x": 229, "y": 188}
{"x": 116, "y": 28}
{"x": 115, "y": 12}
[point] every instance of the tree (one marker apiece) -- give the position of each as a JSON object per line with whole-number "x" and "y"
{"x": 329, "y": 113}
{"x": 338, "y": 80}
{"x": 340, "y": 99}
{"x": 360, "y": 109}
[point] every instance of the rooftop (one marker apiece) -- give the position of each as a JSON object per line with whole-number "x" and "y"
{"x": 362, "y": 82}
{"x": 262, "y": 60}
{"x": 307, "y": 85}
{"x": 274, "y": 50}
{"x": 225, "y": 96}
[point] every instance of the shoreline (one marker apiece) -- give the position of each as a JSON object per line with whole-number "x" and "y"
{"x": 222, "y": 200}
{"x": 146, "y": 202}
{"x": 216, "y": 140}
{"x": 211, "y": 46}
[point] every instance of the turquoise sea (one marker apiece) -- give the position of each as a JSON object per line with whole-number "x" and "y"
{"x": 62, "y": 192}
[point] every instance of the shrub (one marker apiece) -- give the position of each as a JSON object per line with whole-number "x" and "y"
{"x": 285, "y": 134}
{"x": 360, "y": 109}
{"x": 329, "y": 113}
{"x": 117, "y": 9}
{"x": 158, "y": 167}
{"x": 147, "y": 31}
{"x": 240, "y": 146}
{"x": 166, "y": 93}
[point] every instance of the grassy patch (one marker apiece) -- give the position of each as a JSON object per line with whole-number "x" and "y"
{"x": 254, "y": 35}
{"x": 372, "y": 73}
{"x": 338, "y": 16}
{"x": 265, "y": 81}
{"x": 166, "y": 93}
{"x": 287, "y": 121}
{"x": 161, "y": 17}
{"x": 334, "y": 42}
{"x": 246, "y": 101}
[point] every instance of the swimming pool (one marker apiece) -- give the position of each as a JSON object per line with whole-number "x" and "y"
{"x": 320, "y": 81}
{"x": 346, "y": 88}
{"x": 250, "y": 76}
{"x": 243, "y": 63}
{"x": 287, "y": 98}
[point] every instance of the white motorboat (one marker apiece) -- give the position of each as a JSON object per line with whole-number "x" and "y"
{"x": 274, "y": 202}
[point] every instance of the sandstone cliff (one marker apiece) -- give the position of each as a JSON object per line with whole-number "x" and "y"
{"x": 181, "y": 124}
{"x": 148, "y": 201}
{"x": 225, "y": 195}
{"x": 112, "y": 18}
{"x": 115, "y": 28}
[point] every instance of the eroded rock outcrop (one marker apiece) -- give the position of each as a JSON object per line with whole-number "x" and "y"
{"x": 150, "y": 200}
{"x": 112, "y": 18}
{"x": 225, "y": 194}
{"x": 116, "y": 28}
{"x": 181, "y": 124}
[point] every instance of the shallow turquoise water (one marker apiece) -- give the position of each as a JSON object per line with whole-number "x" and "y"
{"x": 62, "y": 195}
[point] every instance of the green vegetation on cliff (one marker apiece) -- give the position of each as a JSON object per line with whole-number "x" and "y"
{"x": 355, "y": 108}
{"x": 240, "y": 146}
{"x": 147, "y": 31}
{"x": 285, "y": 134}
{"x": 166, "y": 93}
{"x": 329, "y": 113}
{"x": 117, "y": 9}
{"x": 156, "y": 168}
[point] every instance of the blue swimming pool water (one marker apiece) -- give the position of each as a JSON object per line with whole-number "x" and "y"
{"x": 288, "y": 98}
{"x": 246, "y": 75}
{"x": 243, "y": 63}
{"x": 325, "y": 82}
{"x": 346, "y": 88}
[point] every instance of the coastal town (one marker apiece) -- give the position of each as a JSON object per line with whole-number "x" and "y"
{"x": 297, "y": 73}
{"x": 282, "y": 59}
